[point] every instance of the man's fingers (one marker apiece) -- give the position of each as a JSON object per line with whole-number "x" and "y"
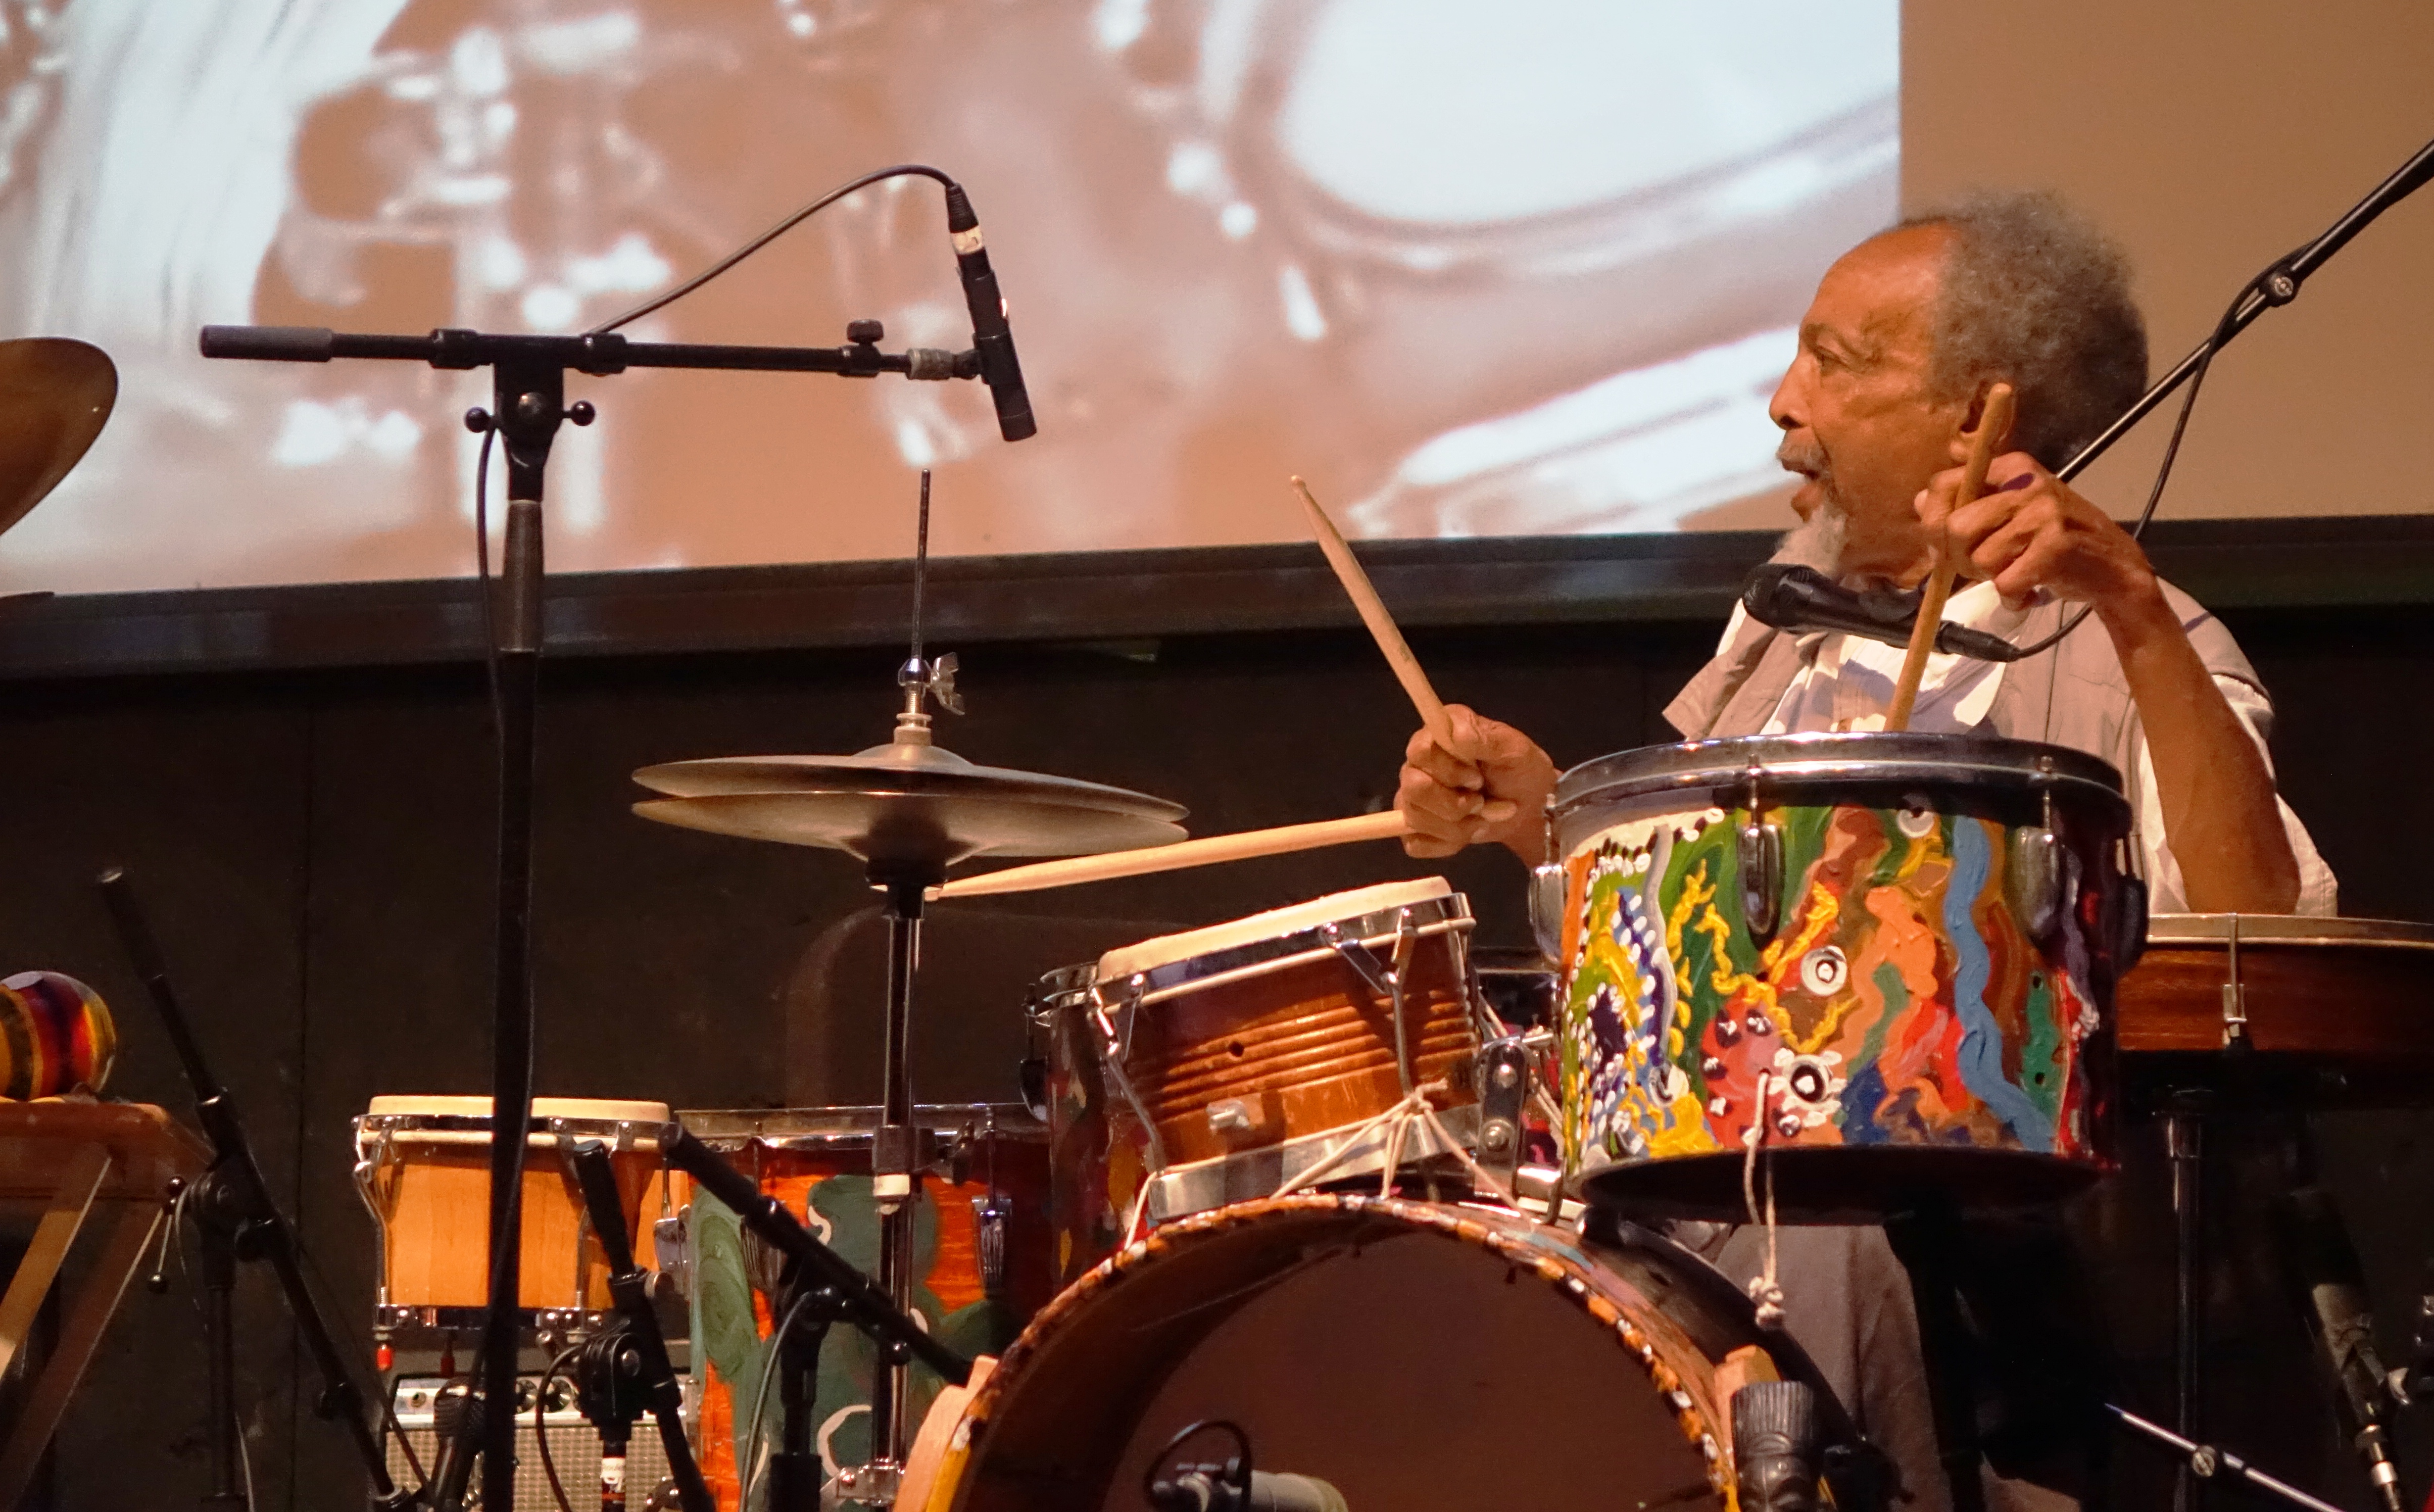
{"x": 1497, "y": 810}
{"x": 1428, "y": 757}
{"x": 1422, "y": 848}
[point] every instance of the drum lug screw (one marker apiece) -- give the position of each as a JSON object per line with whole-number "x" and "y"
{"x": 1229, "y": 1115}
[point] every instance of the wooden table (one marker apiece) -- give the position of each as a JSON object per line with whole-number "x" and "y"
{"x": 74, "y": 1163}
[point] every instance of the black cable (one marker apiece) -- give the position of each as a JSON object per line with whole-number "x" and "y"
{"x": 489, "y": 425}
{"x": 1158, "y": 1461}
{"x": 541, "y": 1423}
{"x": 2224, "y": 329}
{"x": 752, "y": 1458}
{"x": 660, "y": 300}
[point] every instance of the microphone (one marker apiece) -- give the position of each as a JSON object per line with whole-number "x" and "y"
{"x": 990, "y": 337}
{"x": 457, "y": 1425}
{"x": 1802, "y": 598}
{"x": 2322, "y": 1270}
{"x": 1207, "y": 1488}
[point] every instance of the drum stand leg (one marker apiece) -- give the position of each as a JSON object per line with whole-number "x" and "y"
{"x": 896, "y": 1175}
{"x": 2185, "y": 1144}
{"x": 1925, "y": 1238}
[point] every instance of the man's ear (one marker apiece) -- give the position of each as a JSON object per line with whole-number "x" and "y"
{"x": 1973, "y": 415}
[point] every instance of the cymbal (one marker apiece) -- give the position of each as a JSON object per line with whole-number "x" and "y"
{"x": 916, "y": 807}
{"x": 55, "y": 396}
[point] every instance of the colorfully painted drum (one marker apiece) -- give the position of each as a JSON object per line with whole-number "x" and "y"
{"x": 422, "y": 1167}
{"x": 1400, "y": 1351}
{"x": 56, "y": 1036}
{"x": 982, "y": 1259}
{"x": 1888, "y": 960}
{"x": 1246, "y": 1056}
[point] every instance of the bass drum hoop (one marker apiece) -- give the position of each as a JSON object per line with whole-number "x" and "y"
{"x": 1087, "y": 1407}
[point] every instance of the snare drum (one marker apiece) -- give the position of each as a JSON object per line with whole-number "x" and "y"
{"x": 1408, "y": 1353}
{"x": 982, "y": 1258}
{"x": 423, "y": 1166}
{"x": 1886, "y": 959}
{"x": 1251, "y": 1055}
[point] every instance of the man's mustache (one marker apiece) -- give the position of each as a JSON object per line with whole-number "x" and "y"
{"x": 1799, "y": 454}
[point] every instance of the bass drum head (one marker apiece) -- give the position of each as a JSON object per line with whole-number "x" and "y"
{"x": 1401, "y": 1351}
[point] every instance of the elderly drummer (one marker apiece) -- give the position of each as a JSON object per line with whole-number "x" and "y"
{"x": 1906, "y": 335}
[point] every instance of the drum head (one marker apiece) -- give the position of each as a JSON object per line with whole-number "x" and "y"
{"x": 1401, "y": 1351}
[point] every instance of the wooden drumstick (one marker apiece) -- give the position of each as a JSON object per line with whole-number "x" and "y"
{"x": 1282, "y": 840}
{"x": 1994, "y": 425}
{"x": 1373, "y": 613}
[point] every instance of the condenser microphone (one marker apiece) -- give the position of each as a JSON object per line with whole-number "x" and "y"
{"x": 990, "y": 337}
{"x": 1795, "y": 599}
{"x": 2322, "y": 1269}
{"x": 1210, "y": 1489}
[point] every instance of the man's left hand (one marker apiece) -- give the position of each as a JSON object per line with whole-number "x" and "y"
{"x": 2030, "y": 530}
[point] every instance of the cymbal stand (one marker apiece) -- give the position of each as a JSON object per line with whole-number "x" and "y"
{"x": 529, "y": 402}
{"x": 905, "y": 873}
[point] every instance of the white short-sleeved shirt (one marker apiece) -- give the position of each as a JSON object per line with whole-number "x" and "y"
{"x": 1845, "y": 682}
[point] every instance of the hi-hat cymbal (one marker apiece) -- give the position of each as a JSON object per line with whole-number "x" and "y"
{"x": 55, "y": 396}
{"x": 905, "y": 806}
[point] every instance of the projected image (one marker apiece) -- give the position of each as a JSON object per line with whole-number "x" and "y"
{"x": 1473, "y": 271}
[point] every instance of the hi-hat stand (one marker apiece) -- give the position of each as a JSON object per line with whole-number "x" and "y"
{"x": 529, "y": 403}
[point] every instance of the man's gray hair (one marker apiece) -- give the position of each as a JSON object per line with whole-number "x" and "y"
{"x": 2034, "y": 295}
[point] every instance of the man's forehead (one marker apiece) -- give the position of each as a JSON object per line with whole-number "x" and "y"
{"x": 1881, "y": 286}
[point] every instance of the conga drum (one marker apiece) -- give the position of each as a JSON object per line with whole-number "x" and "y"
{"x": 1251, "y": 1055}
{"x": 1886, "y": 961}
{"x": 1409, "y": 1355}
{"x": 422, "y": 1167}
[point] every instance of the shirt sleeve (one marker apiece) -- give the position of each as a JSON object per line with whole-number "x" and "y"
{"x": 2319, "y": 894}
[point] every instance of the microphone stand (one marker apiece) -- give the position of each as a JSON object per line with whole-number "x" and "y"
{"x": 827, "y": 1289}
{"x": 238, "y": 1221}
{"x": 529, "y": 402}
{"x": 2269, "y": 290}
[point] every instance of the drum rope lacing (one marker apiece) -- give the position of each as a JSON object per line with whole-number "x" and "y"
{"x": 1767, "y": 1289}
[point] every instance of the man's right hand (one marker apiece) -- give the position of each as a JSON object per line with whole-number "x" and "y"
{"x": 1486, "y": 782}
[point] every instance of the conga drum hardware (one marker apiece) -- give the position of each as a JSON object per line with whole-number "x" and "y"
{"x": 1251, "y": 1055}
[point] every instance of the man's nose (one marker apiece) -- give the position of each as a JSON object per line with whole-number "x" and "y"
{"x": 1789, "y": 408}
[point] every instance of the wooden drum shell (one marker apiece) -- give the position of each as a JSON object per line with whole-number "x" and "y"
{"x": 1305, "y": 1048}
{"x": 432, "y": 1187}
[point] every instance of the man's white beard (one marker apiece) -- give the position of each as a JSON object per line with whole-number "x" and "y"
{"x": 1816, "y": 541}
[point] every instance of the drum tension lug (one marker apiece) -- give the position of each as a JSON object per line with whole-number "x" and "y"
{"x": 2234, "y": 993}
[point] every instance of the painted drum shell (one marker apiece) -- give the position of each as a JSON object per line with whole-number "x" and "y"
{"x": 1962, "y": 1043}
{"x": 817, "y": 1160}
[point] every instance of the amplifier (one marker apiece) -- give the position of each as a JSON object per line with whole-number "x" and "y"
{"x": 574, "y": 1443}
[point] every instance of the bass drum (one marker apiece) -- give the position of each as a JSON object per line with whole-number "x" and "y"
{"x": 1401, "y": 1351}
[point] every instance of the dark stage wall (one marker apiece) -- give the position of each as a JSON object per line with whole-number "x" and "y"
{"x": 317, "y": 845}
